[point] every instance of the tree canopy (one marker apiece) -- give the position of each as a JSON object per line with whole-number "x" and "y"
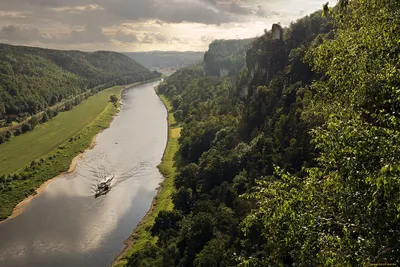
{"x": 294, "y": 161}
{"x": 33, "y": 79}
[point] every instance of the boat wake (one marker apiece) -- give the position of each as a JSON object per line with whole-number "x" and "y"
{"x": 103, "y": 177}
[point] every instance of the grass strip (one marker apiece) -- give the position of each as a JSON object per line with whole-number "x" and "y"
{"x": 20, "y": 151}
{"x": 46, "y": 158}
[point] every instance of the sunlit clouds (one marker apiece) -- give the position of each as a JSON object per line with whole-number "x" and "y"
{"x": 141, "y": 25}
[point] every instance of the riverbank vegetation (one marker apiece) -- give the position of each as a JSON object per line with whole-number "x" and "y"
{"x": 20, "y": 151}
{"x": 142, "y": 237}
{"x": 295, "y": 161}
{"x": 31, "y": 159}
{"x": 33, "y": 80}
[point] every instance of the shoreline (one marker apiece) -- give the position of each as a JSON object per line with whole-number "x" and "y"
{"x": 13, "y": 127}
{"x": 92, "y": 144}
{"x": 163, "y": 194}
{"x": 20, "y": 207}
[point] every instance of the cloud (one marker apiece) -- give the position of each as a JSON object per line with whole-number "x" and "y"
{"x": 10, "y": 14}
{"x": 171, "y": 11}
{"x": 159, "y": 38}
{"x": 91, "y": 34}
{"x": 111, "y": 12}
{"x": 214, "y": 2}
{"x": 17, "y": 34}
{"x": 151, "y": 38}
{"x": 77, "y": 9}
{"x": 235, "y": 8}
{"x": 261, "y": 12}
{"x": 206, "y": 39}
{"x": 125, "y": 37}
{"x": 94, "y": 24}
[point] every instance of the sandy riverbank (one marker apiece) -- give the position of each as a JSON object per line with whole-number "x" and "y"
{"x": 19, "y": 209}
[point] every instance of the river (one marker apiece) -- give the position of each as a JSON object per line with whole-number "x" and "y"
{"x": 65, "y": 225}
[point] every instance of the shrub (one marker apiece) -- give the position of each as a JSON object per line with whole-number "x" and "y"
{"x": 33, "y": 121}
{"x": 178, "y": 115}
{"x": 24, "y": 176}
{"x": 45, "y": 117}
{"x": 26, "y": 128}
{"x": 16, "y": 177}
{"x": 113, "y": 98}
{"x": 17, "y": 132}
{"x": 8, "y": 135}
{"x": 49, "y": 113}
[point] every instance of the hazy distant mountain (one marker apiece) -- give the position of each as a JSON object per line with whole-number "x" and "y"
{"x": 166, "y": 61}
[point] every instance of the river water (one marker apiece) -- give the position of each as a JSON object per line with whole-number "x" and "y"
{"x": 66, "y": 225}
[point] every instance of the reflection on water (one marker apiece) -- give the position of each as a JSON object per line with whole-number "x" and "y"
{"x": 66, "y": 225}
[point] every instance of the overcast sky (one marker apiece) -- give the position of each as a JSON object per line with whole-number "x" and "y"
{"x": 142, "y": 25}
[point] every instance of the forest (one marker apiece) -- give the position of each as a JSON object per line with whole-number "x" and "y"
{"x": 34, "y": 79}
{"x": 226, "y": 57}
{"x": 294, "y": 160}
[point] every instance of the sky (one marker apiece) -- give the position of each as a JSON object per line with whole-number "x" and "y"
{"x": 142, "y": 25}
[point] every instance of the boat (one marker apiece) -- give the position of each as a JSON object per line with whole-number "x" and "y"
{"x": 104, "y": 186}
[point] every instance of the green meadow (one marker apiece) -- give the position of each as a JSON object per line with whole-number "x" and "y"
{"x": 45, "y": 152}
{"x": 22, "y": 150}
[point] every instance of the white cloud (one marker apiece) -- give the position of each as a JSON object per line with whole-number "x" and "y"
{"x": 20, "y": 34}
{"x": 125, "y": 25}
{"x": 77, "y": 9}
{"x": 125, "y": 37}
{"x": 91, "y": 34}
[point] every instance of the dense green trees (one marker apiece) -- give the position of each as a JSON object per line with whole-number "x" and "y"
{"x": 344, "y": 211}
{"x": 226, "y": 57}
{"x": 33, "y": 79}
{"x": 26, "y": 128}
{"x": 294, "y": 162}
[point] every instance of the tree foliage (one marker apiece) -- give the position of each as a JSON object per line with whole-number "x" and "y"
{"x": 33, "y": 79}
{"x": 295, "y": 161}
{"x": 226, "y": 55}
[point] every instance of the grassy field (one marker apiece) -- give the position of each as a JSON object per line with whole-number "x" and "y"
{"x": 48, "y": 150}
{"x": 16, "y": 125}
{"x": 163, "y": 201}
{"x": 20, "y": 151}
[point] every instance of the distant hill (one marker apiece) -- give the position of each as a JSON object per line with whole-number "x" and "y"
{"x": 32, "y": 79}
{"x": 226, "y": 57}
{"x": 166, "y": 61}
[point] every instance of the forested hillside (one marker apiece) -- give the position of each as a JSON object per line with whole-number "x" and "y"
{"x": 295, "y": 161}
{"x": 226, "y": 57}
{"x": 166, "y": 59}
{"x": 32, "y": 79}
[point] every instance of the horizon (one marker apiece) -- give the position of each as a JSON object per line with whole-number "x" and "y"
{"x": 121, "y": 52}
{"x": 142, "y": 26}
